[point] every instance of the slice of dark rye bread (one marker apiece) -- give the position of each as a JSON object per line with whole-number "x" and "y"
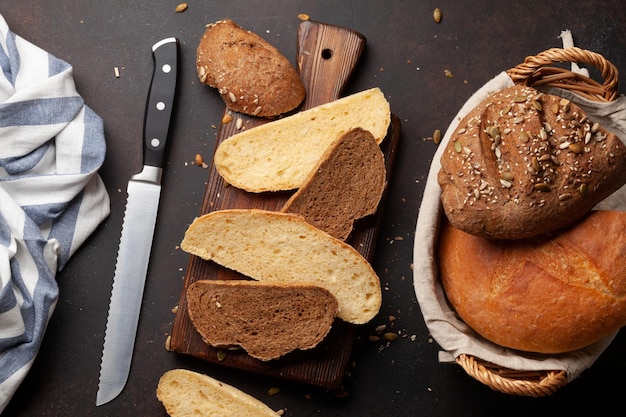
{"x": 346, "y": 184}
{"x": 266, "y": 319}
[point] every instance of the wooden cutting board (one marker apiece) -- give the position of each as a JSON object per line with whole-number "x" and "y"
{"x": 327, "y": 56}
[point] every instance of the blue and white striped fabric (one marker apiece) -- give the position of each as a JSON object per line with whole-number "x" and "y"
{"x": 51, "y": 196}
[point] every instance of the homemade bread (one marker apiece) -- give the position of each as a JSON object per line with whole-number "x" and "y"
{"x": 268, "y": 320}
{"x": 283, "y": 247}
{"x": 346, "y": 185}
{"x": 279, "y": 155}
{"x": 523, "y": 163}
{"x": 550, "y": 294}
{"x": 251, "y": 75}
{"x": 190, "y": 394}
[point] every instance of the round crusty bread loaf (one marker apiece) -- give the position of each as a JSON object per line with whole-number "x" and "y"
{"x": 268, "y": 320}
{"x": 283, "y": 247}
{"x": 550, "y": 294}
{"x": 346, "y": 185}
{"x": 186, "y": 393}
{"x": 523, "y": 163}
{"x": 251, "y": 75}
{"x": 279, "y": 155}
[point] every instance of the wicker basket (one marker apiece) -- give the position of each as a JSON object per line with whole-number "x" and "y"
{"x": 535, "y": 71}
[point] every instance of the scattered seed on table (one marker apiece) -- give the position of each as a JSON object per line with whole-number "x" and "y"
{"x": 437, "y": 15}
{"x": 437, "y": 136}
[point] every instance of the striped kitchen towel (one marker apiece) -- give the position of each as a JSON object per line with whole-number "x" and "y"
{"x": 51, "y": 196}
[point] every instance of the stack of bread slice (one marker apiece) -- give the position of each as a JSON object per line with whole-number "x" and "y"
{"x": 303, "y": 273}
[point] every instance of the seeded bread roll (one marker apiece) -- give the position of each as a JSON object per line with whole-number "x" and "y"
{"x": 186, "y": 394}
{"x": 282, "y": 247}
{"x": 523, "y": 163}
{"x": 251, "y": 75}
{"x": 550, "y": 294}
{"x": 279, "y": 155}
{"x": 346, "y": 185}
{"x": 266, "y": 319}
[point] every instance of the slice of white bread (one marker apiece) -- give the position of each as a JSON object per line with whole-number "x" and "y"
{"x": 283, "y": 247}
{"x": 346, "y": 185}
{"x": 268, "y": 320}
{"x": 186, "y": 393}
{"x": 279, "y": 155}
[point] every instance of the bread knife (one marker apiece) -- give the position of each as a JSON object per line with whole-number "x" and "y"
{"x": 133, "y": 255}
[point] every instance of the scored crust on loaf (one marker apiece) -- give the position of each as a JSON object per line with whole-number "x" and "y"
{"x": 523, "y": 163}
{"x": 550, "y": 294}
{"x": 185, "y": 393}
{"x": 346, "y": 185}
{"x": 279, "y": 155}
{"x": 268, "y": 320}
{"x": 251, "y": 75}
{"x": 283, "y": 247}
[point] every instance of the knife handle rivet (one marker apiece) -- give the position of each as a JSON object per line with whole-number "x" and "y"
{"x": 160, "y": 105}
{"x": 166, "y": 68}
{"x": 155, "y": 142}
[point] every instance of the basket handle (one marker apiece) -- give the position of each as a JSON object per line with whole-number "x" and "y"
{"x": 534, "y": 71}
{"x": 521, "y": 383}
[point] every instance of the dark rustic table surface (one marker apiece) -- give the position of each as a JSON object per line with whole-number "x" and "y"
{"x": 406, "y": 56}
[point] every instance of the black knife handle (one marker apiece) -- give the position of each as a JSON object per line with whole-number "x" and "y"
{"x": 160, "y": 101}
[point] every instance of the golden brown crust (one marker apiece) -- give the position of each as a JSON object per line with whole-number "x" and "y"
{"x": 251, "y": 75}
{"x": 523, "y": 163}
{"x": 346, "y": 185}
{"x": 550, "y": 294}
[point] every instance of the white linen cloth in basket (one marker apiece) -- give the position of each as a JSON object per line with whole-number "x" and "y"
{"x": 51, "y": 196}
{"x": 452, "y": 334}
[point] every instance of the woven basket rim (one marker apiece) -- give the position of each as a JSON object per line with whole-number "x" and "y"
{"x": 514, "y": 382}
{"x": 536, "y": 70}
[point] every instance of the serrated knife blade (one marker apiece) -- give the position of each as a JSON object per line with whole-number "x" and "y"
{"x": 133, "y": 255}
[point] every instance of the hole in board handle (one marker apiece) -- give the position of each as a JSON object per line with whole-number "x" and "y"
{"x": 327, "y": 53}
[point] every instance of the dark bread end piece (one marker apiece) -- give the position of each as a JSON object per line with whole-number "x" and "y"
{"x": 251, "y": 75}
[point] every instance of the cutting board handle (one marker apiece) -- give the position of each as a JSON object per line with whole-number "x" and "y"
{"x": 327, "y": 57}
